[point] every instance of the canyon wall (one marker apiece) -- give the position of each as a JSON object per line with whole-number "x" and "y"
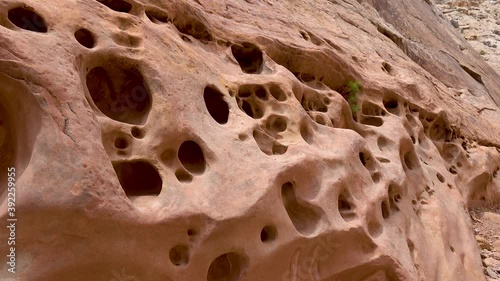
{"x": 244, "y": 140}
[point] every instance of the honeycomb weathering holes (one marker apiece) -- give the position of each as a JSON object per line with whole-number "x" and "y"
{"x": 268, "y": 234}
{"x": 191, "y": 156}
{"x": 138, "y": 178}
{"x": 252, "y": 109}
{"x": 179, "y": 255}
{"x": 137, "y": 132}
{"x": 394, "y": 196}
{"x": 157, "y": 16}
{"x": 121, "y": 143}
{"x": 226, "y": 267}
{"x": 120, "y": 93}
{"x": 277, "y": 93}
{"x": 261, "y": 93}
{"x": 277, "y": 123}
{"x": 117, "y": 5}
{"x": 303, "y": 217}
{"x": 385, "y": 210}
{"x": 453, "y": 170}
{"x": 440, "y": 130}
{"x": 249, "y": 57}
{"x": 26, "y": 18}
{"x": 391, "y": 105}
{"x": 440, "y": 177}
{"x": 371, "y": 109}
{"x": 189, "y": 21}
{"x": 216, "y": 105}
{"x": 279, "y": 149}
{"x": 346, "y": 209}
{"x": 362, "y": 158}
{"x": 249, "y": 101}
{"x": 85, "y": 38}
{"x": 372, "y": 121}
{"x": 410, "y": 160}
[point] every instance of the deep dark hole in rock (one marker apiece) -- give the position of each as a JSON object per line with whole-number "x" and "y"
{"x": 440, "y": 177}
{"x": 179, "y": 255}
{"x": 183, "y": 176}
{"x": 277, "y": 93}
{"x": 391, "y": 105}
{"x": 121, "y": 143}
{"x": 385, "y": 210}
{"x": 226, "y": 267}
{"x": 244, "y": 92}
{"x": 26, "y": 18}
{"x": 363, "y": 158}
{"x": 279, "y": 149}
{"x": 216, "y": 105}
{"x": 249, "y": 57}
{"x": 117, "y": 5}
{"x": 191, "y": 156}
{"x": 346, "y": 209}
{"x": 85, "y": 38}
{"x": 119, "y": 93}
{"x": 343, "y": 204}
{"x": 268, "y": 234}
{"x": 410, "y": 160}
{"x": 247, "y": 108}
{"x": 261, "y": 93}
{"x": 278, "y": 124}
{"x": 138, "y": 178}
{"x": 157, "y": 16}
{"x": 137, "y": 133}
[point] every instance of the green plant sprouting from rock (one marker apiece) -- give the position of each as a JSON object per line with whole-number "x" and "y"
{"x": 350, "y": 93}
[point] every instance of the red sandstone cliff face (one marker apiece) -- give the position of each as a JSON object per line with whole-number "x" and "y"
{"x": 244, "y": 140}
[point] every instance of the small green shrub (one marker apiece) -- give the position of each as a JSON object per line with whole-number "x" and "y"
{"x": 350, "y": 93}
{"x": 482, "y": 53}
{"x": 353, "y": 86}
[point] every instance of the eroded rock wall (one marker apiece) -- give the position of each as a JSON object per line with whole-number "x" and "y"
{"x": 228, "y": 140}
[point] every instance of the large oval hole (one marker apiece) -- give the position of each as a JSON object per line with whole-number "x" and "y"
{"x": 191, "y": 157}
{"x": 26, "y": 18}
{"x": 120, "y": 92}
{"x": 216, "y": 106}
{"x": 138, "y": 178}
{"x": 85, "y": 38}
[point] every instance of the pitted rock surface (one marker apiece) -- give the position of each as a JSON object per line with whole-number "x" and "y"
{"x": 244, "y": 140}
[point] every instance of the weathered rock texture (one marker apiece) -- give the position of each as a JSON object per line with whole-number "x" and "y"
{"x": 214, "y": 140}
{"x": 479, "y": 22}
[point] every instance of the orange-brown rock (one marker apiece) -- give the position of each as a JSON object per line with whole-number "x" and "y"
{"x": 243, "y": 140}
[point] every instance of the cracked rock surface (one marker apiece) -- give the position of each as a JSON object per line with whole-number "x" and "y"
{"x": 244, "y": 140}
